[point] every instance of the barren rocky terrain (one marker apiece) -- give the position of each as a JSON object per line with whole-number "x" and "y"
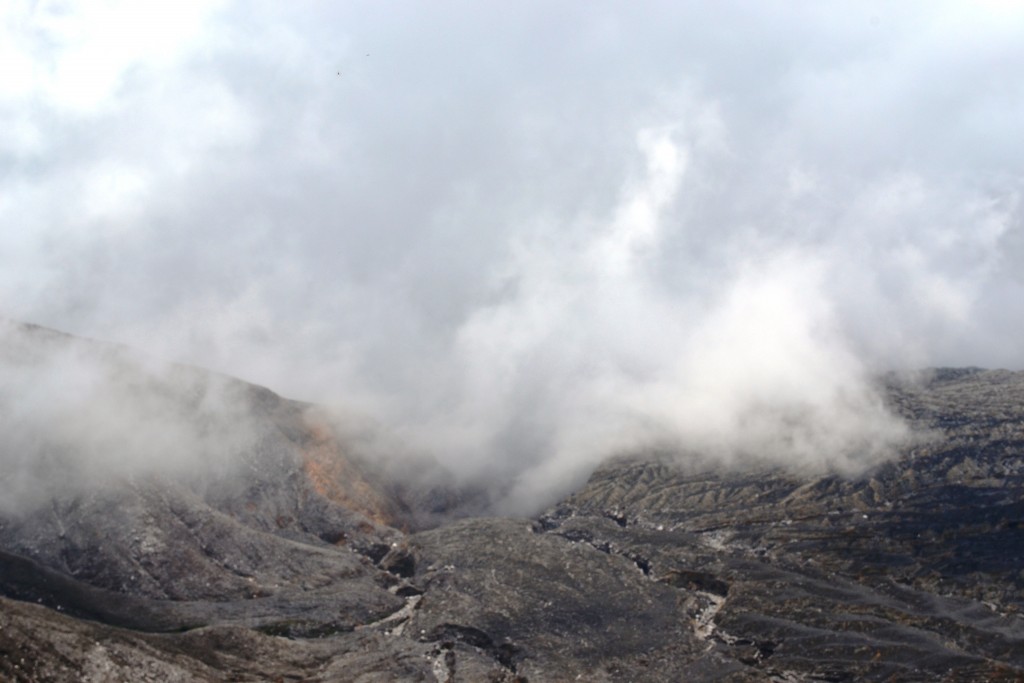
{"x": 299, "y": 560}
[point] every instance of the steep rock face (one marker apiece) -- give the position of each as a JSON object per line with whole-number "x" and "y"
{"x": 261, "y": 546}
{"x": 262, "y": 531}
{"x": 120, "y": 420}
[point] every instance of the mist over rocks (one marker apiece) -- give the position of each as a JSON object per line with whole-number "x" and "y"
{"x": 653, "y": 284}
{"x": 302, "y": 551}
{"x": 524, "y": 242}
{"x": 83, "y": 416}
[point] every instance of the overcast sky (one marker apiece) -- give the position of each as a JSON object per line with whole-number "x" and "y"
{"x": 514, "y": 228}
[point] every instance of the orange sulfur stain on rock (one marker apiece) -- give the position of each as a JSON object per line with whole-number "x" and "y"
{"x": 335, "y": 477}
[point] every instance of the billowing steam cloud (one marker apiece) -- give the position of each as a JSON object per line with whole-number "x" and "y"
{"x": 524, "y": 240}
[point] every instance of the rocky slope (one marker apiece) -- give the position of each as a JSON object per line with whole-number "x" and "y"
{"x": 297, "y": 559}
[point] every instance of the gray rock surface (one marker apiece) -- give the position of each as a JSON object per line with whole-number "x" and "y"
{"x": 298, "y": 559}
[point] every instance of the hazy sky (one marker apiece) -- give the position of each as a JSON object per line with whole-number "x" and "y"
{"x": 515, "y": 229}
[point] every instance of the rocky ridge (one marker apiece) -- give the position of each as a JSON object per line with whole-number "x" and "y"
{"x": 300, "y": 560}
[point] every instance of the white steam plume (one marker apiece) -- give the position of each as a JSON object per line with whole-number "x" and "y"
{"x": 524, "y": 240}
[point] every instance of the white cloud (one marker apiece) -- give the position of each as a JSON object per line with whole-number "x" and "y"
{"x": 529, "y": 238}
{"x": 75, "y": 55}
